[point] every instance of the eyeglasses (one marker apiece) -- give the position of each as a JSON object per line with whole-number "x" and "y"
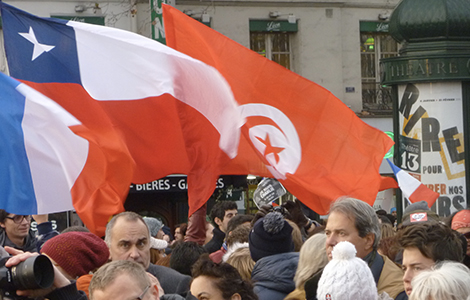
{"x": 143, "y": 293}
{"x": 19, "y": 218}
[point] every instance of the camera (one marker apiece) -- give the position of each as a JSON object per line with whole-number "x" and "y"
{"x": 36, "y": 272}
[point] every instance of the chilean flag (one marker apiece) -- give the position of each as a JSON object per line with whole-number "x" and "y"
{"x": 46, "y": 151}
{"x": 412, "y": 188}
{"x": 173, "y": 113}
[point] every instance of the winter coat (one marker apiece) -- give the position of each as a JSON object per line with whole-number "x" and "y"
{"x": 218, "y": 237}
{"x": 273, "y": 276}
{"x": 172, "y": 281}
{"x": 68, "y": 292}
{"x": 387, "y": 275}
{"x": 32, "y": 243}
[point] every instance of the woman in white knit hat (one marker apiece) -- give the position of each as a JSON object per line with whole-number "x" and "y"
{"x": 347, "y": 277}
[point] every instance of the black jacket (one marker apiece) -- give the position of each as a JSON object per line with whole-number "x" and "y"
{"x": 33, "y": 243}
{"x": 68, "y": 292}
{"x": 216, "y": 242}
{"x": 172, "y": 281}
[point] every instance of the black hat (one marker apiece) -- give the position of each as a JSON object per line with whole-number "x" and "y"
{"x": 270, "y": 235}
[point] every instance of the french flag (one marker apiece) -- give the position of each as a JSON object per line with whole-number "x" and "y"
{"x": 43, "y": 155}
{"x": 412, "y": 188}
{"x": 174, "y": 114}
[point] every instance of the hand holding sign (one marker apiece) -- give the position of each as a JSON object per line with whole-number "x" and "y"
{"x": 268, "y": 190}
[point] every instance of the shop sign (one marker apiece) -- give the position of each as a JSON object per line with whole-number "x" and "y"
{"x": 373, "y": 26}
{"x": 97, "y": 20}
{"x": 273, "y": 26}
{"x": 169, "y": 184}
{"x": 402, "y": 70}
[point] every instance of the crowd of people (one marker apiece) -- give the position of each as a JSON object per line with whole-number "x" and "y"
{"x": 276, "y": 254}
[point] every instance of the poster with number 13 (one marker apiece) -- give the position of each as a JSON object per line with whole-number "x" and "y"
{"x": 431, "y": 145}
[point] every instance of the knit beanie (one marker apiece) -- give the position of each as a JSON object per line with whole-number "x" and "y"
{"x": 346, "y": 277}
{"x": 158, "y": 243}
{"x": 154, "y": 225}
{"x": 421, "y": 206}
{"x": 270, "y": 235}
{"x": 418, "y": 212}
{"x": 77, "y": 253}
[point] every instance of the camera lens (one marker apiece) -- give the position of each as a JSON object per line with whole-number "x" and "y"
{"x": 33, "y": 273}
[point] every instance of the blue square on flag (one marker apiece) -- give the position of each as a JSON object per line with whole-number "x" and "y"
{"x": 36, "y": 45}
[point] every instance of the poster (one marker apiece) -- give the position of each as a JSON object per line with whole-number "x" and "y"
{"x": 431, "y": 145}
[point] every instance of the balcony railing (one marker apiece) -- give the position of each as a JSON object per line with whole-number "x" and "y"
{"x": 376, "y": 99}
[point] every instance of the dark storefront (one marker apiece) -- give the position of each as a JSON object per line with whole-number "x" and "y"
{"x": 167, "y": 198}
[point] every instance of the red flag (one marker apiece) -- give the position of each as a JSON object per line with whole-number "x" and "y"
{"x": 172, "y": 113}
{"x": 388, "y": 183}
{"x": 296, "y": 131}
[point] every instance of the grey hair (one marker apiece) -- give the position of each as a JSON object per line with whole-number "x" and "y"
{"x": 108, "y": 273}
{"x": 312, "y": 258}
{"x": 363, "y": 214}
{"x": 129, "y": 216}
{"x": 447, "y": 280}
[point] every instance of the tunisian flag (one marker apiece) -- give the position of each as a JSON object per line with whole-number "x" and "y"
{"x": 173, "y": 113}
{"x": 298, "y": 131}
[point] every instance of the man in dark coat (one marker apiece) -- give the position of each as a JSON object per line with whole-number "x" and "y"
{"x": 128, "y": 238}
{"x": 220, "y": 214}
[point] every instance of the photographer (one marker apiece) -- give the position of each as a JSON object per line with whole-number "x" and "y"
{"x": 61, "y": 289}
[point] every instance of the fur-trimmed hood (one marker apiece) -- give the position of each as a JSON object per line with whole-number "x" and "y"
{"x": 232, "y": 249}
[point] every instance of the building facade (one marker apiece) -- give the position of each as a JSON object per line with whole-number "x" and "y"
{"x": 337, "y": 44}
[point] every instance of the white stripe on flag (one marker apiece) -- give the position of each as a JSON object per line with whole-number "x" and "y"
{"x": 56, "y": 155}
{"x": 408, "y": 184}
{"x": 109, "y": 72}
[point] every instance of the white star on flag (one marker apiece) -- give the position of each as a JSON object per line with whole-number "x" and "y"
{"x": 38, "y": 47}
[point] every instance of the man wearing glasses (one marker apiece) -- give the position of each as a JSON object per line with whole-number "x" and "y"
{"x": 15, "y": 231}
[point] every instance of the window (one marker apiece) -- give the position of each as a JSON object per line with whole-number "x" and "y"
{"x": 375, "y": 46}
{"x": 272, "y": 45}
{"x": 271, "y": 38}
